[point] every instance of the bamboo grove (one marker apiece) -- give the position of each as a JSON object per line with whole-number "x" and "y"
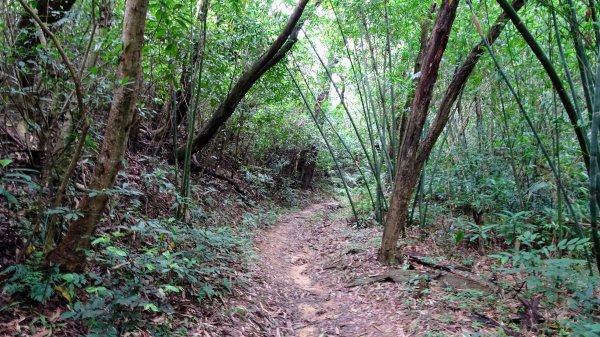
{"x": 482, "y": 116}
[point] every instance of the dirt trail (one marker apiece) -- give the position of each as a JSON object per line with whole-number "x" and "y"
{"x": 293, "y": 259}
{"x": 308, "y": 281}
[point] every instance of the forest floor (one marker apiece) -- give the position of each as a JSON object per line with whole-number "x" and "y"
{"x": 317, "y": 276}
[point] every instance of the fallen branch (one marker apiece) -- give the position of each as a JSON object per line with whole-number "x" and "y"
{"x": 489, "y": 321}
{"x": 469, "y": 282}
{"x": 430, "y": 264}
{"x": 396, "y": 276}
{"x": 197, "y": 168}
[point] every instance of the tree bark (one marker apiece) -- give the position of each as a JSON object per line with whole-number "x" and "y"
{"x": 271, "y": 57}
{"x": 458, "y": 82}
{"x": 402, "y": 118}
{"x": 414, "y": 153}
{"x": 70, "y": 253}
{"x": 408, "y": 168}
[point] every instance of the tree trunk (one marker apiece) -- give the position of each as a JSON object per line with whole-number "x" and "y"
{"x": 284, "y": 42}
{"x": 408, "y": 170}
{"x": 70, "y": 253}
{"x": 308, "y": 168}
{"x": 402, "y": 118}
{"x": 413, "y": 153}
{"x": 103, "y": 23}
{"x": 310, "y": 159}
{"x": 460, "y": 79}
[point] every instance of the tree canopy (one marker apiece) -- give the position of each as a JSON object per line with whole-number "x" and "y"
{"x": 147, "y": 144}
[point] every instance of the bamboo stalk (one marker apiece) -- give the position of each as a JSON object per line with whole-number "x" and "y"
{"x": 329, "y": 148}
{"x": 346, "y": 147}
{"x": 554, "y": 78}
{"x": 534, "y": 131}
{"x": 196, "y": 90}
{"x": 594, "y": 169}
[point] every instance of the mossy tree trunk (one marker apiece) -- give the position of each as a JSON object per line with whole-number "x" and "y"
{"x": 70, "y": 253}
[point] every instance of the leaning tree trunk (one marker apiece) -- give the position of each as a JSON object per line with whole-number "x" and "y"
{"x": 70, "y": 253}
{"x": 408, "y": 168}
{"x": 414, "y": 153}
{"x": 402, "y": 118}
{"x": 574, "y": 118}
{"x": 282, "y": 44}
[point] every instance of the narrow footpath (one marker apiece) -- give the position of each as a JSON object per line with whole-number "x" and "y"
{"x": 299, "y": 284}
{"x": 315, "y": 276}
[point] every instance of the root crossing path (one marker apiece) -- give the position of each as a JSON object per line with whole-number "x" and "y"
{"x": 301, "y": 282}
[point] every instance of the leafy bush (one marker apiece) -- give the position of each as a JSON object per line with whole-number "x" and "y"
{"x": 38, "y": 285}
{"x": 547, "y": 270}
{"x": 138, "y": 271}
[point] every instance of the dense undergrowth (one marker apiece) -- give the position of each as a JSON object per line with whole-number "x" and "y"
{"x": 502, "y": 179}
{"x": 551, "y": 279}
{"x": 147, "y": 270}
{"x": 536, "y": 265}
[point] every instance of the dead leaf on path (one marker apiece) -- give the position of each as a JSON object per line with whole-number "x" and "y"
{"x": 42, "y": 333}
{"x": 55, "y": 316}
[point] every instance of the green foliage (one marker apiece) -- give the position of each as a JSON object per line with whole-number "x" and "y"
{"x": 18, "y": 179}
{"x": 39, "y": 285}
{"x": 175, "y": 259}
{"x": 468, "y": 230}
{"x": 131, "y": 281}
{"x": 550, "y": 270}
{"x": 510, "y": 225}
{"x": 490, "y": 162}
{"x": 261, "y": 181}
{"x": 477, "y": 182}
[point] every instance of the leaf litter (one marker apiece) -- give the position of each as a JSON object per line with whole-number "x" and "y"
{"x": 317, "y": 276}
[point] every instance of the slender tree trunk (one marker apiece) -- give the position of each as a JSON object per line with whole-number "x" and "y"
{"x": 282, "y": 44}
{"x": 574, "y": 117}
{"x": 103, "y": 23}
{"x": 193, "y": 96}
{"x": 460, "y": 79}
{"x": 49, "y": 11}
{"x": 70, "y": 253}
{"x": 46, "y": 174}
{"x": 402, "y": 118}
{"x": 594, "y": 169}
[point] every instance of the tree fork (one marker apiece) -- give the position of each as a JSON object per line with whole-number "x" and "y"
{"x": 416, "y": 154}
{"x": 459, "y": 80}
{"x": 407, "y": 165}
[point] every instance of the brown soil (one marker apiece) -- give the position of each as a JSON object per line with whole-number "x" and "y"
{"x": 311, "y": 279}
{"x": 292, "y": 260}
